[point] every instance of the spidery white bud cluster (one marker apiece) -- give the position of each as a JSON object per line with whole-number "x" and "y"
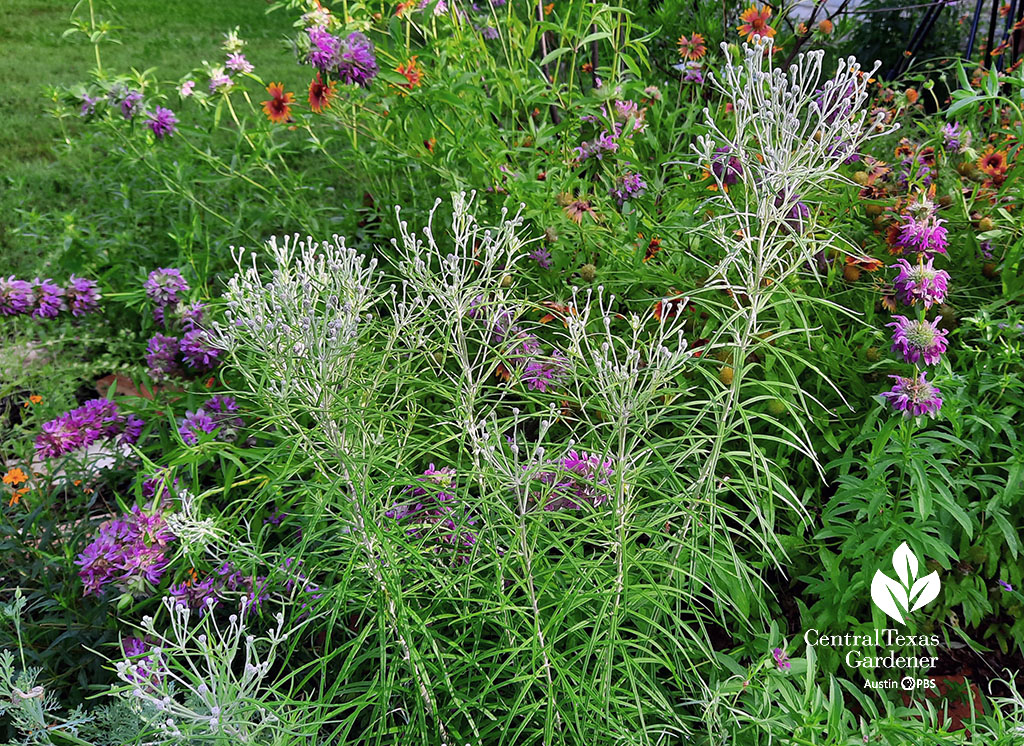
{"x": 201, "y": 677}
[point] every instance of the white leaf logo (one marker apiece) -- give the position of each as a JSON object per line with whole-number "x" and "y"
{"x": 895, "y": 597}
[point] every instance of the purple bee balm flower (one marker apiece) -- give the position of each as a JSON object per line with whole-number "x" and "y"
{"x": 16, "y": 296}
{"x": 952, "y": 137}
{"x": 726, "y": 168}
{"x": 220, "y": 81}
{"x": 925, "y": 235}
{"x": 693, "y": 72}
{"x": 488, "y": 32}
{"x": 917, "y": 340}
{"x": 130, "y": 104}
{"x": 88, "y": 105}
{"x": 542, "y": 256}
{"x": 597, "y": 148}
{"x": 161, "y": 357}
{"x": 162, "y": 122}
{"x": 82, "y": 296}
{"x": 542, "y": 374}
{"x": 164, "y": 287}
{"x": 781, "y": 659}
{"x": 356, "y": 62}
{"x": 200, "y": 595}
{"x": 579, "y": 478}
{"x": 628, "y": 186}
{"x": 237, "y": 63}
{"x": 914, "y": 396}
{"x": 49, "y": 299}
{"x": 195, "y": 425}
{"x": 434, "y": 513}
{"x": 195, "y": 348}
{"x": 324, "y": 48}
{"x": 920, "y": 282}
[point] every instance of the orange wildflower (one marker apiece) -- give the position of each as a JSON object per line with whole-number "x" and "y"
{"x": 755, "y": 22}
{"x": 34, "y": 399}
{"x": 548, "y": 8}
{"x": 15, "y": 476}
{"x": 652, "y": 248}
{"x": 320, "y": 94}
{"x": 279, "y": 107}
{"x": 826, "y": 26}
{"x": 16, "y": 497}
{"x": 993, "y": 162}
{"x": 412, "y": 72}
{"x": 693, "y": 48}
{"x": 866, "y": 263}
{"x": 912, "y": 96}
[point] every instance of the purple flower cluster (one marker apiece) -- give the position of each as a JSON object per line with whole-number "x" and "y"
{"x": 128, "y": 553}
{"x": 920, "y": 282}
{"x": 44, "y": 299}
{"x": 955, "y": 137}
{"x": 164, "y": 287}
{"x": 579, "y": 478}
{"x": 140, "y": 667}
{"x": 203, "y": 595}
{"x": 432, "y": 511}
{"x": 781, "y": 659}
{"x": 352, "y": 59}
{"x": 130, "y": 104}
{"x": 81, "y": 427}
{"x": 542, "y": 256}
{"x": 539, "y": 372}
{"x": 168, "y": 357}
{"x": 628, "y": 186}
{"x": 923, "y": 234}
{"x": 914, "y": 396}
{"x": 693, "y": 72}
{"x": 162, "y": 357}
{"x": 726, "y": 167}
{"x": 162, "y": 122}
{"x": 219, "y": 413}
{"x": 627, "y": 118}
{"x": 918, "y": 340}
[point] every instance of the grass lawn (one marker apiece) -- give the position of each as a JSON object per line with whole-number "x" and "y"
{"x": 42, "y": 196}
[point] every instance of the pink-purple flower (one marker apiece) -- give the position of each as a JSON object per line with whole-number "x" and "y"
{"x": 579, "y": 478}
{"x": 83, "y": 426}
{"x": 920, "y": 282}
{"x": 16, "y": 296}
{"x": 924, "y": 234}
{"x": 82, "y": 295}
{"x": 628, "y": 186}
{"x": 918, "y": 340}
{"x": 237, "y": 63}
{"x": 162, "y": 122}
{"x": 914, "y": 396}
{"x": 128, "y": 553}
{"x": 781, "y": 659}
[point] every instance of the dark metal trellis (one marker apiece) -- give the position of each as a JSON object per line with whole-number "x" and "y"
{"x": 1010, "y": 36}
